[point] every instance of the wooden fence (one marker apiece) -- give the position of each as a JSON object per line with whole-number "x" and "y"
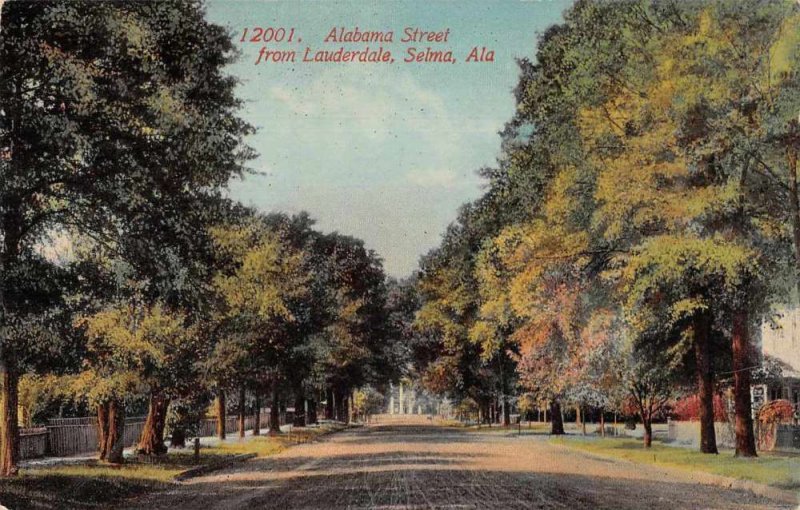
{"x": 33, "y": 442}
{"x": 208, "y": 427}
{"x": 71, "y": 436}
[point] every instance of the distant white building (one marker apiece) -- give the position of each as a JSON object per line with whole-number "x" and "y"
{"x": 781, "y": 345}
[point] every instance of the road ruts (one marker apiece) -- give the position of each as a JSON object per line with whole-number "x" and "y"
{"x": 427, "y": 467}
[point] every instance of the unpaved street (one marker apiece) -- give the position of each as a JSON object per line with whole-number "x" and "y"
{"x": 423, "y": 466}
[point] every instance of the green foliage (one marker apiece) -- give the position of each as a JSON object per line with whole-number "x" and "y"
{"x": 367, "y": 401}
{"x": 645, "y": 185}
{"x": 133, "y": 352}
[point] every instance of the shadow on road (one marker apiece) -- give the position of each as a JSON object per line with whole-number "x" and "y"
{"x": 431, "y": 487}
{"x": 411, "y": 434}
{"x": 415, "y": 466}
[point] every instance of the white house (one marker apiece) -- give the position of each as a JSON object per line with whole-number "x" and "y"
{"x": 781, "y": 344}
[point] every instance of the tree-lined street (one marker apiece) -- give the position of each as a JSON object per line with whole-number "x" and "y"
{"x": 417, "y": 464}
{"x": 637, "y": 230}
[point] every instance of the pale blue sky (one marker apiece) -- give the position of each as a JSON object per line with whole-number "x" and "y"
{"x": 383, "y": 152}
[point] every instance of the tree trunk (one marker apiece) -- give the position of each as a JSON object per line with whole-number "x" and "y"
{"x": 341, "y": 406}
{"x": 705, "y": 383}
{"x": 351, "y": 417}
{"x": 242, "y": 415}
{"x": 794, "y": 198}
{"x": 274, "y": 410}
{"x": 329, "y": 404}
{"x": 602, "y": 424}
{"x": 221, "y": 415}
{"x": 648, "y": 432}
{"x": 151, "y": 442}
{"x": 556, "y": 422}
{"x": 257, "y": 416}
{"x": 115, "y": 444}
{"x": 102, "y": 430}
{"x": 506, "y": 412}
{"x": 12, "y": 228}
{"x": 583, "y": 421}
{"x": 312, "y": 412}
{"x": 9, "y": 429}
{"x": 111, "y": 431}
{"x": 299, "y": 409}
{"x": 745, "y": 438}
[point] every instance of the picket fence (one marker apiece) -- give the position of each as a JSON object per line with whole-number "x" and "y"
{"x": 63, "y": 437}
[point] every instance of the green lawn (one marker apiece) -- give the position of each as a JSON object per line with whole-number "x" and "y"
{"x": 775, "y": 470}
{"x": 102, "y": 486}
{"x": 533, "y": 428}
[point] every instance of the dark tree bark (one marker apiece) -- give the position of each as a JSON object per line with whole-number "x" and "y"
{"x": 506, "y": 412}
{"x": 299, "y": 419}
{"x": 111, "y": 431}
{"x": 221, "y": 415}
{"x": 9, "y": 429}
{"x": 241, "y": 410}
{"x": 556, "y": 423}
{"x": 274, "y": 410}
{"x": 792, "y": 143}
{"x": 151, "y": 442}
{"x": 13, "y": 231}
{"x": 340, "y": 407}
{"x": 705, "y": 382}
{"x": 329, "y": 412}
{"x": 312, "y": 412}
{"x": 582, "y": 414}
{"x": 745, "y": 437}
{"x": 257, "y": 417}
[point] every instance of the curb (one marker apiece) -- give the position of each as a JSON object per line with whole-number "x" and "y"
{"x": 782, "y": 496}
{"x": 214, "y": 466}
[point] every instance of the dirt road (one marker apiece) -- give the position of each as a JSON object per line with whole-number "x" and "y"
{"x": 417, "y": 466}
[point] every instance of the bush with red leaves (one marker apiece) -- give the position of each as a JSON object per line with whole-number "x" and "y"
{"x": 688, "y": 409}
{"x": 777, "y": 411}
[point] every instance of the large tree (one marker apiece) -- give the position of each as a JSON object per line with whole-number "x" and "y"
{"x": 260, "y": 286}
{"x": 116, "y": 120}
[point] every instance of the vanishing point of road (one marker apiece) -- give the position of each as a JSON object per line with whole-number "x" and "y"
{"x": 423, "y": 466}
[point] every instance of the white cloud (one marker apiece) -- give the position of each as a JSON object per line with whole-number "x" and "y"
{"x": 359, "y": 150}
{"x": 353, "y": 112}
{"x": 433, "y": 178}
{"x": 293, "y": 101}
